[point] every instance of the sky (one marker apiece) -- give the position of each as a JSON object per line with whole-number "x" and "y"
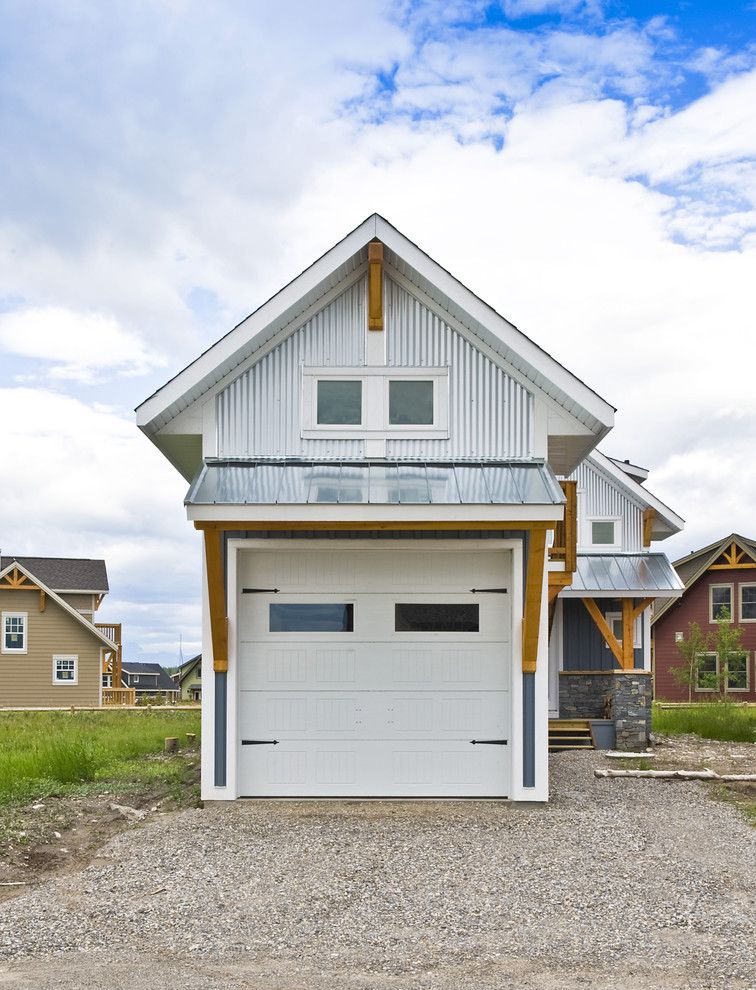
{"x": 585, "y": 166}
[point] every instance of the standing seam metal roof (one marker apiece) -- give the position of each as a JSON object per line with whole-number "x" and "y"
{"x": 649, "y": 573}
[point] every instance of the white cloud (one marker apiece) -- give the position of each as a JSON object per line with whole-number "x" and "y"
{"x": 527, "y": 8}
{"x": 77, "y": 347}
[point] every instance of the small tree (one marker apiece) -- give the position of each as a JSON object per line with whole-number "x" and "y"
{"x": 727, "y": 643}
{"x": 691, "y": 650}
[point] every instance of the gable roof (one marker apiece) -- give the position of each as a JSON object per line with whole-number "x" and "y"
{"x": 164, "y": 680}
{"x": 666, "y": 522}
{"x": 407, "y": 263}
{"x": 187, "y": 668}
{"x": 60, "y": 601}
{"x": 64, "y": 574}
{"x": 695, "y": 564}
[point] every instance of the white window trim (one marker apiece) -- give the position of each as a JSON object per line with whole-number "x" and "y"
{"x": 15, "y": 615}
{"x": 727, "y": 689}
{"x": 712, "y": 620}
{"x": 637, "y": 638}
{"x": 375, "y": 404}
{"x": 617, "y": 545}
{"x": 747, "y": 584}
{"x": 65, "y": 682}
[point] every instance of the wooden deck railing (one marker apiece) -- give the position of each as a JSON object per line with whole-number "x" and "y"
{"x": 565, "y": 534}
{"x": 118, "y": 696}
{"x": 112, "y": 659}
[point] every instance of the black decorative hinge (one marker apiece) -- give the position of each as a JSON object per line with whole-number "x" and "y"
{"x": 488, "y": 591}
{"x": 259, "y": 591}
{"x": 259, "y": 742}
{"x": 488, "y": 742}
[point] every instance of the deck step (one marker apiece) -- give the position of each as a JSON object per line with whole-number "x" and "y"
{"x": 569, "y": 733}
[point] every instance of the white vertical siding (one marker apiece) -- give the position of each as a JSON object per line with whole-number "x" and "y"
{"x": 490, "y": 414}
{"x": 598, "y": 496}
{"x": 258, "y": 414}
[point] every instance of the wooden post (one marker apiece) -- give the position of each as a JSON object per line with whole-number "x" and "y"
{"x": 531, "y": 619}
{"x": 628, "y": 657}
{"x": 171, "y": 744}
{"x": 216, "y": 593}
{"x": 375, "y": 285}
{"x": 648, "y": 522}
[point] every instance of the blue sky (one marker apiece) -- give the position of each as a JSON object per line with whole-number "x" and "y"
{"x": 585, "y": 166}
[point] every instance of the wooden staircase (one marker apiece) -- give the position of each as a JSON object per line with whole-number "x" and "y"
{"x": 569, "y": 733}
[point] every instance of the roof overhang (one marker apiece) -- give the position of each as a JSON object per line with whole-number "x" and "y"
{"x": 647, "y": 575}
{"x": 666, "y": 522}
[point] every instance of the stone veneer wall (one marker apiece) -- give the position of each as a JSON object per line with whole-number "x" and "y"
{"x": 626, "y": 698}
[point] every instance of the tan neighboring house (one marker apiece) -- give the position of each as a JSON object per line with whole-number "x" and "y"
{"x": 52, "y": 653}
{"x": 189, "y": 679}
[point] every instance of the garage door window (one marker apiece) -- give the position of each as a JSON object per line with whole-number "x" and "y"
{"x": 433, "y": 617}
{"x": 300, "y": 617}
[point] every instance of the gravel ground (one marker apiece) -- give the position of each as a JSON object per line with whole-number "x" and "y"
{"x": 615, "y": 883}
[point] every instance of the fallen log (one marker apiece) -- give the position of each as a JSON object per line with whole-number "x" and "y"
{"x": 679, "y": 775}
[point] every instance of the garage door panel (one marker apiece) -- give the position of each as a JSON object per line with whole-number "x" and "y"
{"x": 373, "y": 666}
{"x": 374, "y": 769}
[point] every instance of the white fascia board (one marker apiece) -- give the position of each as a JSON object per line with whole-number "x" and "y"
{"x": 638, "y": 492}
{"x": 90, "y": 627}
{"x": 502, "y": 331}
{"x": 242, "y": 335}
{"x": 365, "y": 512}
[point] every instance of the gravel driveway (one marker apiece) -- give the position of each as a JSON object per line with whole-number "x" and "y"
{"x": 613, "y": 884}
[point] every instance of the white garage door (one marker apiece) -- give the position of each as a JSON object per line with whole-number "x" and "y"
{"x": 370, "y": 672}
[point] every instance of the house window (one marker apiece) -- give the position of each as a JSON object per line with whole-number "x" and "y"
{"x": 708, "y": 668}
{"x": 720, "y": 602}
{"x": 14, "y": 632}
{"x": 376, "y": 403}
{"x": 107, "y": 680}
{"x": 737, "y": 672}
{"x": 410, "y": 402}
{"x": 135, "y": 678}
{"x": 614, "y": 621}
{"x": 432, "y": 617}
{"x": 65, "y": 670}
{"x": 737, "y": 676}
{"x": 301, "y": 617}
{"x": 339, "y": 402}
{"x": 748, "y": 602}
{"x": 604, "y": 532}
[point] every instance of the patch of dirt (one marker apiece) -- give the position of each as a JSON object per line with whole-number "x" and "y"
{"x": 693, "y": 753}
{"x": 63, "y": 834}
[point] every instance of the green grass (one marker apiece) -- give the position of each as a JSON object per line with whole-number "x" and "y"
{"x": 44, "y": 753}
{"x": 725, "y": 720}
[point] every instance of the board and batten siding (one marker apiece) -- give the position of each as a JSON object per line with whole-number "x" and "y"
{"x": 598, "y": 496}
{"x": 490, "y": 414}
{"x": 26, "y": 679}
{"x": 584, "y": 648}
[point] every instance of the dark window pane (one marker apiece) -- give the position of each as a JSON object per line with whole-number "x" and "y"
{"x": 721, "y": 603}
{"x": 748, "y": 601}
{"x": 331, "y": 617}
{"x": 410, "y": 617}
{"x": 339, "y": 403}
{"x": 737, "y": 672}
{"x": 410, "y": 403}
{"x": 707, "y": 671}
{"x": 602, "y": 533}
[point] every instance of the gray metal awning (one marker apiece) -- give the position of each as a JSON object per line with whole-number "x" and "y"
{"x": 643, "y": 575}
{"x": 233, "y": 482}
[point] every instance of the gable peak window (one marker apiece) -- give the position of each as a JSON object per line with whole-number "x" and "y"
{"x": 410, "y": 402}
{"x": 339, "y": 402}
{"x": 604, "y": 532}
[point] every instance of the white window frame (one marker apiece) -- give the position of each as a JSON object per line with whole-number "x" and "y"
{"x": 611, "y": 617}
{"x": 617, "y": 545}
{"x": 11, "y": 649}
{"x": 747, "y": 584}
{"x": 707, "y": 690}
{"x": 375, "y": 404}
{"x": 741, "y": 690}
{"x": 62, "y": 682}
{"x": 712, "y": 620}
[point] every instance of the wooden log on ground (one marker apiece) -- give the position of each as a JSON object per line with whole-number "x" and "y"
{"x": 678, "y": 775}
{"x": 171, "y": 744}
{"x": 190, "y": 737}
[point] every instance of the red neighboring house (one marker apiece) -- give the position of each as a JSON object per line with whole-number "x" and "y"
{"x": 720, "y": 576}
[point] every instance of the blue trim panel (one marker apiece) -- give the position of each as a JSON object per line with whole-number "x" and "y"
{"x": 528, "y": 730}
{"x": 221, "y": 710}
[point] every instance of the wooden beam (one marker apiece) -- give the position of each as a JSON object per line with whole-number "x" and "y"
{"x": 531, "y": 620}
{"x": 210, "y": 525}
{"x": 603, "y": 628}
{"x": 570, "y": 525}
{"x": 628, "y": 656}
{"x": 733, "y": 567}
{"x": 558, "y": 580}
{"x": 648, "y": 522}
{"x": 42, "y": 600}
{"x": 216, "y": 595}
{"x": 375, "y": 285}
{"x": 642, "y": 606}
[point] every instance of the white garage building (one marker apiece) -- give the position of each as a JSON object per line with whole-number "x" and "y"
{"x": 373, "y": 457}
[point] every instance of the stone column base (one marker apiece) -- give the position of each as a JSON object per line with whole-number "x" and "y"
{"x": 626, "y": 698}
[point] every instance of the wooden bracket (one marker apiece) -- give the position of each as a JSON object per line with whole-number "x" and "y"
{"x": 531, "y": 619}
{"x": 375, "y": 285}
{"x": 733, "y": 559}
{"x": 649, "y": 515}
{"x": 216, "y": 595}
{"x": 603, "y": 627}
